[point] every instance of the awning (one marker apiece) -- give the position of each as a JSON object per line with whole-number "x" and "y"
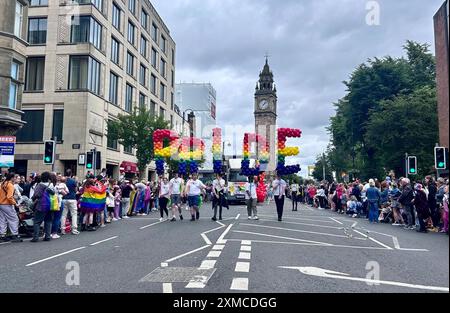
{"x": 129, "y": 167}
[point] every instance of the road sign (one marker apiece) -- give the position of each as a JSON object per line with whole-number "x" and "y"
{"x": 7, "y": 148}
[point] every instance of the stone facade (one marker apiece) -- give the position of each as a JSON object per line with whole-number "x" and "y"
{"x": 85, "y": 113}
{"x": 441, "y": 26}
{"x": 12, "y": 49}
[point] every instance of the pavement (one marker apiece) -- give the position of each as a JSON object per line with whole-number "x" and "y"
{"x": 310, "y": 251}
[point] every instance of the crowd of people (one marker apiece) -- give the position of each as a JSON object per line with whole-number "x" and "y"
{"x": 64, "y": 204}
{"x": 415, "y": 205}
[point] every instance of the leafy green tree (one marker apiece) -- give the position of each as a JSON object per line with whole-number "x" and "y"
{"x": 318, "y": 171}
{"x": 136, "y": 130}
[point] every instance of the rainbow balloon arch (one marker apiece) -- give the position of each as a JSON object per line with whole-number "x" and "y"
{"x": 190, "y": 151}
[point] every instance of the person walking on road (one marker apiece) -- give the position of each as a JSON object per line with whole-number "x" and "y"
{"x": 176, "y": 188}
{"x": 218, "y": 194}
{"x": 373, "y": 195}
{"x": 164, "y": 197}
{"x": 8, "y": 215}
{"x": 194, "y": 189}
{"x": 252, "y": 198}
{"x": 295, "y": 196}
{"x": 279, "y": 192}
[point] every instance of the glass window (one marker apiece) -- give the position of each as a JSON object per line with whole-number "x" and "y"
{"x": 130, "y": 64}
{"x": 38, "y": 2}
{"x": 84, "y": 74}
{"x": 132, "y": 6}
{"x": 142, "y": 100}
{"x": 33, "y": 130}
{"x": 172, "y": 102}
{"x": 143, "y": 48}
{"x": 86, "y": 29}
{"x": 15, "y": 66}
{"x": 113, "y": 88}
{"x": 162, "y": 92}
{"x": 37, "y": 30}
{"x": 58, "y": 122}
{"x": 112, "y": 144}
{"x": 98, "y": 4}
{"x": 162, "y": 112}
{"x": 162, "y": 67}
{"x": 128, "y": 150}
{"x": 12, "y": 101}
{"x": 173, "y": 56}
{"x": 129, "y": 98}
{"x": 144, "y": 19}
{"x": 34, "y": 80}
{"x": 153, "y": 84}
{"x": 163, "y": 44}
{"x": 115, "y": 50}
{"x": 154, "y": 32}
{"x": 143, "y": 75}
{"x": 152, "y": 107}
{"x": 18, "y": 21}
{"x": 173, "y": 79}
{"x": 116, "y": 16}
{"x": 154, "y": 58}
{"x": 131, "y": 32}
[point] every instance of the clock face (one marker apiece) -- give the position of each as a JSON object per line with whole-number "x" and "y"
{"x": 264, "y": 104}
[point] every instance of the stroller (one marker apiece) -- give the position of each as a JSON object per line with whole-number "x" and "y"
{"x": 25, "y": 214}
{"x": 386, "y": 214}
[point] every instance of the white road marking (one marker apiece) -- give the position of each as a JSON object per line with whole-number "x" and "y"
{"x": 299, "y": 218}
{"x": 239, "y": 284}
{"x": 164, "y": 264}
{"x": 167, "y": 288}
{"x": 238, "y": 216}
{"x": 208, "y": 242}
{"x": 221, "y": 240}
{"x": 244, "y": 256}
{"x": 102, "y": 241}
{"x": 339, "y": 222}
{"x": 246, "y": 242}
{"x": 218, "y": 247}
{"x": 208, "y": 264}
{"x": 374, "y": 240}
{"x": 297, "y": 230}
{"x": 314, "y": 271}
{"x": 246, "y": 248}
{"x": 354, "y": 224}
{"x": 305, "y": 224}
{"x": 397, "y": 244}
{"x": 186, "y": 254}
{"x": 198, "y": 282}
{"x": 214, "y": 254}
{"x": 242, "y": 267}
{"x": 151, "y": 225}
{"x": 4, "y": 243}
{"x": 212, "y": 230}
{"x": 55, "y": 256}
{"x": 221, "y": 224}
{"x": 282, "y": 237}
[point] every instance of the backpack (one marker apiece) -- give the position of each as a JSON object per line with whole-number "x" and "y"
{"x": 49, "y": 201}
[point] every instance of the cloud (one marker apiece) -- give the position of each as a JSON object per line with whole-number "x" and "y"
{"x": 314, "y": 46}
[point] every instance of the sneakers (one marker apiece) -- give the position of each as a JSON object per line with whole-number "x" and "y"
{"x": 126, "y": 217}
{"x": 102, "y": 226}
{"x": 249, "y": 217}
{"x": 396, "y": 224}
{"x": 173, "y": 219}
{"x": 114, "y": 219}
{"x": 181, "y": 217}
{"x": 16, "y": 238}
{"x": 75, "y": 232}
{"x": 55, "y": 236}
{"x": 256, "y": 218}
{"x": 161, "y": 219}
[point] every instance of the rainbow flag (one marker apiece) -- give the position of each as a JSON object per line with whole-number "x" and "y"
{"x": 93, "y": 199}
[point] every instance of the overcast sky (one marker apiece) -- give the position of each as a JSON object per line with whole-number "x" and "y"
{"x": 314, "y": 46}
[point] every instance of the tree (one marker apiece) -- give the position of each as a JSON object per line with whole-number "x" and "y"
{"x": 318, "y": 171}
{"x": 136, "y": 130}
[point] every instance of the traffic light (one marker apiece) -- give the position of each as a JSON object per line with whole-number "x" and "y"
{"x": 49, "y": 152}
{"x": 412, "y": 165}
{"x": 98, "y": 160}
{"x": 90, "y": 160}
{"x": 440, "y": 157}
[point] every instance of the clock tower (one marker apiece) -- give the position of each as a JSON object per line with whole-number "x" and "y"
{"x": 266, "y": 111}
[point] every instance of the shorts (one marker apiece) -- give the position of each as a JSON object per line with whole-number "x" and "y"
{"x": 110, "y": 209}
{"x": 194, "y": 201}
{"x": 175, "y": 199}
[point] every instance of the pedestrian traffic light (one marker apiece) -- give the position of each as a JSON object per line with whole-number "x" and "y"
{"x": 440, "y": 157}
{"x": 412, "y": 165}
{"x": 49, "y": 152}
{"x": 89, "y": 160}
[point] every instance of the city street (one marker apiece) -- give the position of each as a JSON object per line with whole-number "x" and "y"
{"x": 310, "y": 251}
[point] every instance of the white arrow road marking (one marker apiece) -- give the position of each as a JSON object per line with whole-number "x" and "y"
{"x": 319, "y": 272}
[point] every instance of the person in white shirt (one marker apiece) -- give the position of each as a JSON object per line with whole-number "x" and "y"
{"x": 194, "y": 189}
{"x": 164, "y": 196}
{"x": 218, "y": 191}
{"x": 279, "y": 192}
{"x": 176, "y": 187}
{"x": 294, "y": 196}
{"x": 252, "y": 198}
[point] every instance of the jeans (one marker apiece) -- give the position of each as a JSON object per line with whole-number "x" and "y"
{"x": 279, "y": 201}
{"x": 294, "y": 202}
{"x": 251, "y": 207}
{"x": 163, "y": 206}
{"x": 8, "y": 218}
{"x": 39, "y": 217}
{"x": 217, "y": 204}
{"x": 56, "y": 224}
{"x": 125, "y": 206}
{"x": 69, "y": 206}
{"x": 373, "y": 211}
{"x": 409, "y": 211}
